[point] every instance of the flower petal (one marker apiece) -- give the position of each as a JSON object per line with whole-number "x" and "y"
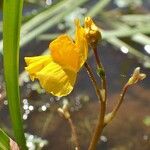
{"x": 81, "y": 42}
{"x": 55, "y": 80}
{"x": 35, "y": 64}
{"x": 65, "y": 53}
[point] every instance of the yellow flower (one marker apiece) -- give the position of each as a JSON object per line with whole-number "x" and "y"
{"x": 57, "y": 72}
{"x": 53, "y": 78}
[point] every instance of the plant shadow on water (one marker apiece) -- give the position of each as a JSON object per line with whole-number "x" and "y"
{"x": 128, "y": 130}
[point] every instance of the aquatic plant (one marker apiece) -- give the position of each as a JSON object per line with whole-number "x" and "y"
{"x": 65, "y": 67}
{"x": 57, "y": 73}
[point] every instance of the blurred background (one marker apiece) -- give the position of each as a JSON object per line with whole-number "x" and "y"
{"x": 125, "y": 26}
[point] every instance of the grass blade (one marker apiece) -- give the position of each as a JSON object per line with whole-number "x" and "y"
{"x": 4, "y": 141}
{"x": 45, "y": 15}
{"x": 98, "y": 7}
{"x": 12, "y": 12}
{"x": 141, "y": 38}
{"x": 118, "y": 43}
{"x": 45, "y": 20}
{"x": 50, "y": 23}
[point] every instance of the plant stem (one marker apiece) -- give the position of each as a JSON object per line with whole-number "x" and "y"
{"x": 99, "y": 127}
{"x": 120, "y": 100}
{"x": 111, "y": 115}
{"x": 100, "y": 124}
{"x": 99, "y": 64}
{"x": 94, "y": 82}
{"x": 74, "y": 134}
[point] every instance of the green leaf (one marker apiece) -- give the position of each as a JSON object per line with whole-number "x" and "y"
{"x": 50, "y": 22}
{"x": 100, "y": 72}
{"x": 4, "y": 141}
{"x": 12, "y": 13}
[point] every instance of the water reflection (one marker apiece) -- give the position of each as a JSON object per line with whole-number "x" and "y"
{"x": 147, "y": 48}
{"x": 49, "y": 2}
{"x": 124, "y": 49}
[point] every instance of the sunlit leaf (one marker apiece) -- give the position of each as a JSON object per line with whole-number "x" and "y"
{"x": 4, "y": 141}
{"x": 12, "y": 13}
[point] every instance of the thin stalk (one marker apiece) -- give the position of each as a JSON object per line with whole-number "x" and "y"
{"x": 74, "y": 134}
{"x": 99, "y": 127}
{"x": 93, "y": 80}
{"x": 12, "y": 13}
{"x": 111, "y": 115}
{"x": 120, "y": 100}
{"x": 100, "y": 124}
{"x": 100, "y": 66}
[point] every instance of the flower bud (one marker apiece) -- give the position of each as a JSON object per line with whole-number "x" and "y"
{"x": 64, "y": 110}
{"x": 136, "y": 76}
{"x": 92, "y": 32}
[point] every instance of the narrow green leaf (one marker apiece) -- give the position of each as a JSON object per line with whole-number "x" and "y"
{"x": 98, "y": 7}
{"x": 4, "y": 141}
{"x": 41, "y": 17}
{"x": 141, "y": 38}
{"x": 12, "y": 12}
{"x": 44, "y": 15}
{"x": 119, "y": 32}
{"x": 133, "y": 19}
{"x": 51, "y": 22}
{"x": 119, "y": 43}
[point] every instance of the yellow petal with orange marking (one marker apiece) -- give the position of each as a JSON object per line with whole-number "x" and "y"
{"x": 65, "y": 53}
